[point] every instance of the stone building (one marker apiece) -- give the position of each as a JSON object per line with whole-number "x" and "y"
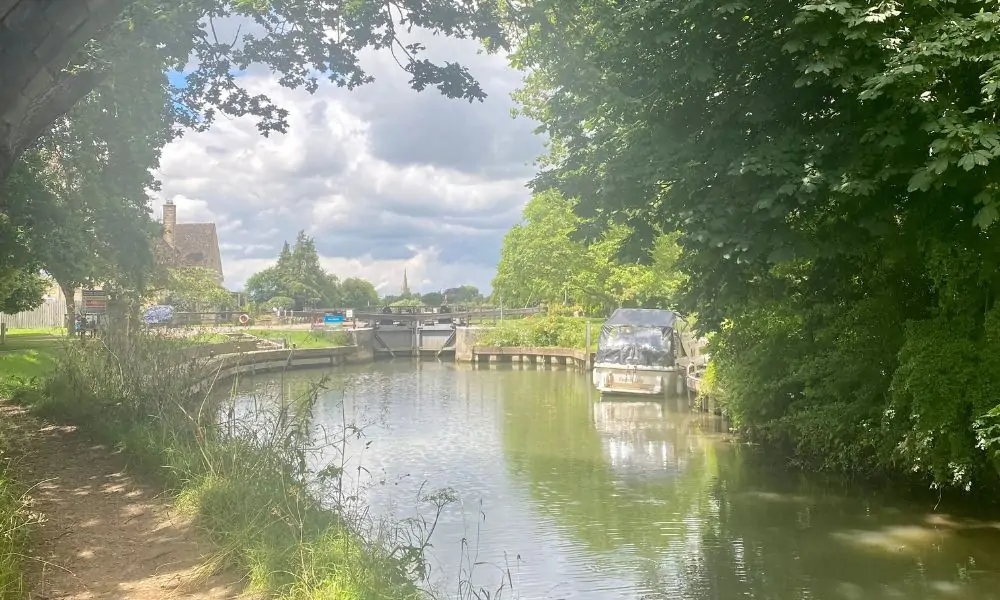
{"x": 188, "y": 244}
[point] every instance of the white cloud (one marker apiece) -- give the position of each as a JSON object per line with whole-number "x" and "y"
{"x": 384, "y": 178}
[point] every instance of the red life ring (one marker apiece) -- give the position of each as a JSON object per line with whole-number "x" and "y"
{"x": 244, "y": 319}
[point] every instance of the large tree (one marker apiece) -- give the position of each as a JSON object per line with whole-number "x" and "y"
{"x": 539, "y": 255}
{"x": 463, "y": 294}
{"x": 55, "y": 52}
{"x": 831, "y": 166}
{"x": 358, "y": 293}
{"x": 197, "y": 289}
{"x": 544, "y": 261}
{"x": 298, "y": 275}
{"x": 79, "y": 195}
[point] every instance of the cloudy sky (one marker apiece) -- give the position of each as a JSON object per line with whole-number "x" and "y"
{"x": 384, "y": 178}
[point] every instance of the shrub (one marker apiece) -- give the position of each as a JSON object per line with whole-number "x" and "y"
{"x": 550, "y": 331}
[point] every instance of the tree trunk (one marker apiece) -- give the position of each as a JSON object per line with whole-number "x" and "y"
{"x": 69, "y": 292}
{"x": 38, "y": 38}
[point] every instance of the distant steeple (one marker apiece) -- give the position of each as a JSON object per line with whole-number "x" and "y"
{"x": 406, "y": 285}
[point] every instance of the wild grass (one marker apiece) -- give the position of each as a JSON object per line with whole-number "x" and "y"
{"x": 15, "y": 529}
{"x": 548, "y": 331}
{"x": 26, "y": 358}
{"x": 247, "y": 471}
{"x": 304, "y": 338}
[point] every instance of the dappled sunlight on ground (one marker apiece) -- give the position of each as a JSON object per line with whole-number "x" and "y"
{"x": 102, "y": 535}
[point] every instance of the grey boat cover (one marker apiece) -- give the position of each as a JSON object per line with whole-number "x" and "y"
{"x": 638, "y": 337}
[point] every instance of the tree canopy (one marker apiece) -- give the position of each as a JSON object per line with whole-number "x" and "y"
{"x": 829, "y": 167}
{"x": 543, "y": 261}
{"x": 197, "y": 289}
{"x": 96, "y": 130}
{"x": 298, "y": 276}
{"x": 75, "y": 206}
{"x": 358, "y": 293}
{"x": 463, "y": 294}
{"x": 305, "y": 42}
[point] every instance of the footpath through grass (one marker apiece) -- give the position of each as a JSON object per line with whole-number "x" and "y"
{"x": 26, "y": 358}
{"x": 244, "y": 477}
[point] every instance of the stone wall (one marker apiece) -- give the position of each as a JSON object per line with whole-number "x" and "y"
{"x": 364, "y": 344}
{"x": 465, "y": 341}
{"x": 225, "y": 366}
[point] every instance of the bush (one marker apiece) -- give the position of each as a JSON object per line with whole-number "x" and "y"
{"x": 550, "y": 331}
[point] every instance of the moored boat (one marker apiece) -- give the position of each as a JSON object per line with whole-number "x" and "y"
{"x": 638, "y": 351}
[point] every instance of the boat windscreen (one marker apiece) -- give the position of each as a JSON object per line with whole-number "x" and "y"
{"x": 635, "y": 346}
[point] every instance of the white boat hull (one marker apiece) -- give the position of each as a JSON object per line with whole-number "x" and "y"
{"x": 618, "y": 379}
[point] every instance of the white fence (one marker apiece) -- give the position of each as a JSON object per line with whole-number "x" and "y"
{"x": 52, "y": 313}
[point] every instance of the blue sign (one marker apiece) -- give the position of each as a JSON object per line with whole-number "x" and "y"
{"x": 333, "y": 318}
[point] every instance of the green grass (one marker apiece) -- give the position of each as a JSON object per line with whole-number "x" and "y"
{"x": 242, "y": 481}
{"x": 304, "y": 338}
{"x": 26, "y": 357}
{"x": 209, "y": 337}
{"x": 547, "y": 331}
{"x": 38, "y": 331}
{"x": 15, "y": 529}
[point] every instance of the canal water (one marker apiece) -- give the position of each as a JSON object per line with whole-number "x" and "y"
{"x": 563, "y": 495}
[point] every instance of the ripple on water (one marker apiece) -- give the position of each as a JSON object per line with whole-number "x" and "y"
{"x": 573, "y": 498}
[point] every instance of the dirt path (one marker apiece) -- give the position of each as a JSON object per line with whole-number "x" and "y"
{"x": 103, "y": 534}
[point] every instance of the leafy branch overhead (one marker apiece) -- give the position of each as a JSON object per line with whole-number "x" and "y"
{"x": 305, "y": 43}
{"x": 831, "y": 168}
{"x": 76, "y": 204}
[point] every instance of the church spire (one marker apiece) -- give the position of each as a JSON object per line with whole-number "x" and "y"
{"x": 406, "y": 285}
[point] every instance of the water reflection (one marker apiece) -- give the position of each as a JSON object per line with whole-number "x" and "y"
{"x": 588, "y": 499}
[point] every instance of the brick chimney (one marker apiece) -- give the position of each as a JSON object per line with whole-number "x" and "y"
{"x": 169, "y": 221}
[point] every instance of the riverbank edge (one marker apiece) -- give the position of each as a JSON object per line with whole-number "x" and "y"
{"x": 332, "y": 559}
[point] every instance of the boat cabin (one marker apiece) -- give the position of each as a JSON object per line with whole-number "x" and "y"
{"x": 637, "y": 353}
{"x": 638, "y": 337}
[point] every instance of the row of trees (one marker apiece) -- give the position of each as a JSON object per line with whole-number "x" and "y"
{"x": 543, "y": 260}
{"x": 465, "y": 295}
{"x": 297, "y": 281}
{"x": 830, "y": 170}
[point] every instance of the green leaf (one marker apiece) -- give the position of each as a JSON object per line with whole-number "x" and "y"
{"x": 986, "y": 216}
{"x": 781, "y": 255}
{"x": 920, "y": 181}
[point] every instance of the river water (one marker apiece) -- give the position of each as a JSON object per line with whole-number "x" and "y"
{"x": 563, "y": 495}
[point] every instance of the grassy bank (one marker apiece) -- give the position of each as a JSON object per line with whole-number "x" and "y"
{"x": 546, "y": 331}
{"x": 26, "y": 358}
{"x": 304, "y": 338}
{"x": 246, "y": 479}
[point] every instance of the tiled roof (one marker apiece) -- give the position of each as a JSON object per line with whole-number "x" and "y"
{"x": 195, "y": 245}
